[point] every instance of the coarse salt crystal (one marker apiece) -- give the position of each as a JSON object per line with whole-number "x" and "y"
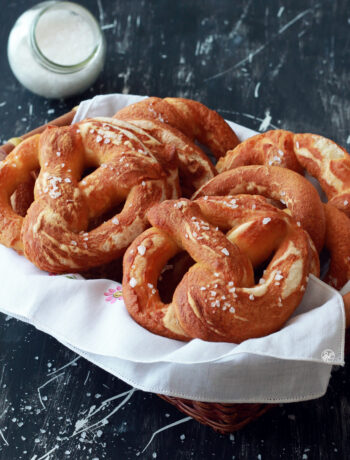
{"x": 98, "y": 138}
{"x": 67, "y": 180}
{"x": 150, "y": 285}
{"x": 141, "y": 249}
{"x": 58, "y": 154}
{"x": 232, "y": 310}
{"x": 346, "y": 202}
{"x": 143, "y": 183}
{"x": 115, "y": 221}
{"x": 107, "y": 141}
{"x": 266, "y": 220}
{"x": 225, "y": 251}
{"x": 74, "y": 243}
{"x": 251, "y": 297}
{"x": 133, "y": 282}
{"x": 280, "y": 152}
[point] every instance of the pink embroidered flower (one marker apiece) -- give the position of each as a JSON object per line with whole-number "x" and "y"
{"x": 113, "y": 294}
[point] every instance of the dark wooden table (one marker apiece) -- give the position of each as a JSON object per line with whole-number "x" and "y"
{"x": 260, "y": 64}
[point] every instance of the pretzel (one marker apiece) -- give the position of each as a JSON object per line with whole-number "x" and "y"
{"x": 329, "y": 163}
{"x": 338, "y": 244}
{"x": 279, "y": 184}
{"x": 55, "y": 234}
{"x": 191, "y": 118}
{"x": 322, "y": 158}
{"x": 217, "y": 299}
{"x": 273, "y": 148}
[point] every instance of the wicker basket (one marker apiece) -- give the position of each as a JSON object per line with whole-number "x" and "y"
{"x": 222, "y": 417}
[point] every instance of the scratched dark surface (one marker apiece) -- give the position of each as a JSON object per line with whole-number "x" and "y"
{"x": 262, "y": 66}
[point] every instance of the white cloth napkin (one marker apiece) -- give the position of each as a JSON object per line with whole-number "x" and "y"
{"x": 89, "y": 317}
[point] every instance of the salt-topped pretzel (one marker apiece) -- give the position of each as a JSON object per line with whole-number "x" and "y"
{"x": 190, "y": 117}
{"x": 329, "y": 163}
{"x": 195, "y": 168}
{"x": 130, "y": 165}
{"x": 273, "y": 148}
{"x": 280, "y": 184}
{"x": 217, "y": 299}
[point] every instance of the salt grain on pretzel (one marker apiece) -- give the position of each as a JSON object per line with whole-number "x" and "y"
{"x": 50, "y": 234}
{"x": 273, "y": 148}
{"x": 299, "y": 196}
{"x": 217, "y": 299}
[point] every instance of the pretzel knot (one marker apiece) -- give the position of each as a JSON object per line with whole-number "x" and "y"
{"x": 217, "y": 299}
{"x": 131, "y": 166}
{"x": 279, "y": 184}
{"x": 328, "y": 163}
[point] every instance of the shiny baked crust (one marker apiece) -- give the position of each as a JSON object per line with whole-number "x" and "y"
{"x": 280, "y": 184}
{"x": 217, "y": 299}
{"x": 273, "y": 148}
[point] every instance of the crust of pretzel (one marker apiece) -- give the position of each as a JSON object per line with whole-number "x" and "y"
{"x": 190, "y": 117}
{"x": 130, "y": 165}
{"x": 273, "y": 148}
{"x": 195, "y": 168}
{"x": 338, "y": 244}
{"x": 217, "y": 299}
{"x": 279, "y": 184}
{"x": 329, "y": 163}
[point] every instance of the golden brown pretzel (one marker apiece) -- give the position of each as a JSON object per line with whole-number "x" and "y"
{"x": 130, "y": 165}
{"x": 273, "y": 148}
{"x": 217, "y": 299}
{"x": 338, "y": 244}
{"x": 329, "y": 163}
{"x": 279, "y": 184}
{"x": 195, "y": 168}
{"x": 323, "y": 159}
{"x": 192, "y": 118}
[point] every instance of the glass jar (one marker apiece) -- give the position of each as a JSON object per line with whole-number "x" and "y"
{"x": 56, "y": 49}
